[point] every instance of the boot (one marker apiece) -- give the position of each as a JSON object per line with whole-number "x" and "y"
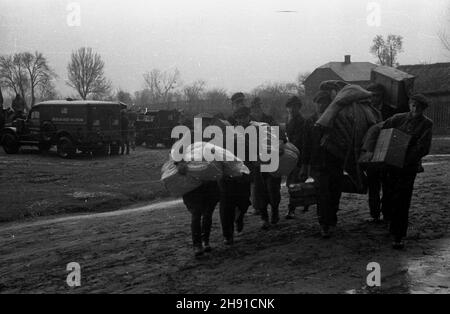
{"x": 398, "y": 243}
{"x": 198, "y": 250}
{"x": 291, "y": 212}
{"x": 207, "y": 247}
{"x": 228, "y": 241}
{"x": 275, "y": 217}
{"x": 325, "y": 232}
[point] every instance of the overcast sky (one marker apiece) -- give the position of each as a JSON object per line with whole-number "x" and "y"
{"x": 232, "y": 44}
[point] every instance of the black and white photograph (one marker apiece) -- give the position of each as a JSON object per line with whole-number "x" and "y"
{"x": 225, "y": 154}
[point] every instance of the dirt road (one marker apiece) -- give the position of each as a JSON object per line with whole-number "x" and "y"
{"x": 147, "y": 250}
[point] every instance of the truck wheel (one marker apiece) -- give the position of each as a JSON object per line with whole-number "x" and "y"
{"x": 10, "y": 144}
{"x": 65, "y": 148}
{"x": 44, "y": 147}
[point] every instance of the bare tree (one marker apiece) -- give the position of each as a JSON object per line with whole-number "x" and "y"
{"x": 274, "y": 97}
{"x": 386, "y": 51}
{"x": 301, "y": 78}
{"x": 46, "y": 90}
{"x": 124, "y": 97}
{"x": 39, "y": 73}
{"x": 445, "y": 40}
{"x": 160, "y": 84}
{"x": 86, "y": 74}
{"x": 444, "y": 35}
{"x": 194, "y": 91}
{"x": 13, "y": 74}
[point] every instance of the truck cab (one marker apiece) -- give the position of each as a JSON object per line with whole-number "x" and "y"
{"x": 155, "y": 127}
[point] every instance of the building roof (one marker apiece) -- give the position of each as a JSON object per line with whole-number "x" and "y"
{"x": 430, "y": 78}
{"x": 351, "y": 72}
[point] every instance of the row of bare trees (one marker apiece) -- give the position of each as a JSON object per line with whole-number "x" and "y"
{"x": 30, "y": 75}
{"x": 27, "y": 74}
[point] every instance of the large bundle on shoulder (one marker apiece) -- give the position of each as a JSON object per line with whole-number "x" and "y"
{"x": 347, "y": 120}
{"x": 203, "y": 162}
{"x": 177, "y": 184}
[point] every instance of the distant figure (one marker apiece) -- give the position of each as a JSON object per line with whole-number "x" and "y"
{"x": 18, "y": 105}
{"x": 257, "y": 114}
{"x": 124, "y": 132}
{"x": 237, "y": 102}
{"x": 132, "y": 135}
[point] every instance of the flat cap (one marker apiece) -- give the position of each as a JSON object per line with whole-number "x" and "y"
{"x": 421, "y": 99}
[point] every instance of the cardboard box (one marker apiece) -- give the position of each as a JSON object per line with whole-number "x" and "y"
{"x": 391, "y": 148}
{"x": 398, "y": 86}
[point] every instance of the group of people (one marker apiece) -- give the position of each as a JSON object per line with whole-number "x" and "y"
{"x": 390, "y": 188}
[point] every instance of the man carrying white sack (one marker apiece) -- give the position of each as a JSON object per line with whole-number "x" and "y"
{"x": 201, "y": 203}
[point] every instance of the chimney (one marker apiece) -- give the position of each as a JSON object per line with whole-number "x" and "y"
{"x": 347, "y": 59}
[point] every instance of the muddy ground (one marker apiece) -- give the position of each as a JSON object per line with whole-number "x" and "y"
{"x": 34, "y": 184}
{"x": 148, "y": 250}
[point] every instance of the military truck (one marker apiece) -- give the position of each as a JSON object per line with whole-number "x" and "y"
{"x": 155, "y": 127}
{"x": 89, "y": 126}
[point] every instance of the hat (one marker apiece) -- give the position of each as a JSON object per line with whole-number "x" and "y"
{"x": 375, "y": 88}
{"x": 237, "y": 97}
{"x": 421, "y": 99}
{"x": 294, "y": 101}
{"x": 332, "y": 85}
{"x": 241, "y": 112}
{"x": 322, "y": 96}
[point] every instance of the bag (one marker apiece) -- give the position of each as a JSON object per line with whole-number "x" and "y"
{"x": 288, "y": 161}
{"x": 175, "y": 183}
{"x": 199, "y": 168}
{"x": 303, "y": 193}
{"x": 224, "y": 163}
{"x": 350, "y": 186}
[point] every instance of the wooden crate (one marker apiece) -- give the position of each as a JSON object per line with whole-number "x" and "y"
{"x": 398, "y": 86}
{"x": 391, "y": 148}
